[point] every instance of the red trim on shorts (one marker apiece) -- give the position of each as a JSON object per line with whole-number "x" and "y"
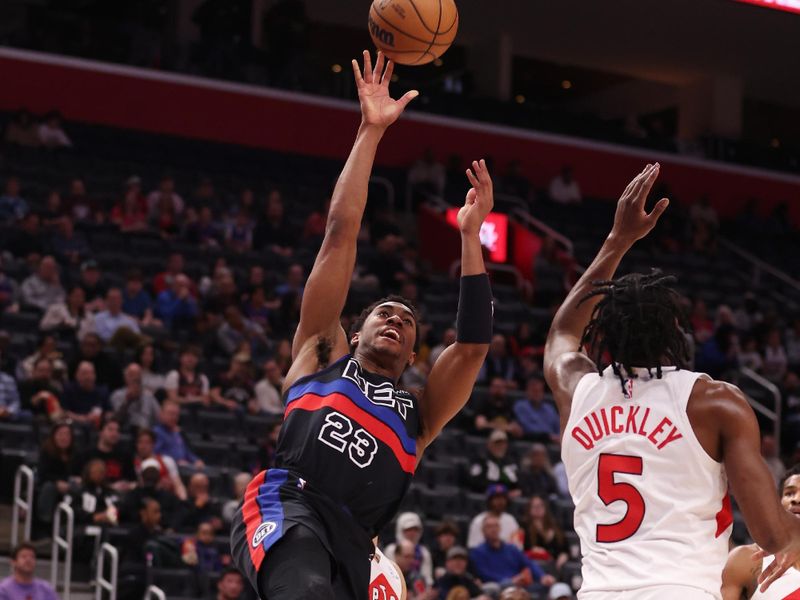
{"x": 724, "y": 516}
{"x": 251, "y": 513}
{"x": 376, "y": 427}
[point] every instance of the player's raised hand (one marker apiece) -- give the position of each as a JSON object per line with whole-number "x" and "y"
{"x": 783, "y": 561}
{"x": 479, "y": 200}
{"x": 377, "y": 106}
{"x": 631, "y": 221}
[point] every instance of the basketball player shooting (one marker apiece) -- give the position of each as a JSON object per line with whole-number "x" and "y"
{"x": 745, "y": 563}
{"x": 351, "y": 439}
{"x": 649, "y": 447}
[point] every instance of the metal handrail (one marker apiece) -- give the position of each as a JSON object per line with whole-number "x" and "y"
{"x": 62, "y": 543}
{"x": 110, "y": 585}
{"x": 155, "y": 593}
{"x": 759, "y": 265}
{"x": 535, "y": 223}
{"x": 25, "y": 504}
{"x": 772, "y": 415}
{"x": 388, "y": 185}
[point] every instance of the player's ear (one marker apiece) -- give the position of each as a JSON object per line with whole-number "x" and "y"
{"x": 354, "y": 339}
{"x": 411, "y": 359}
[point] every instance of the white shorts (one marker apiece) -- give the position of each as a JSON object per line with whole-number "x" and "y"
{"x": 656, "y": 592}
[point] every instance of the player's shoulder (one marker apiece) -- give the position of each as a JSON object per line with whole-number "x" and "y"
{"x": 746, "y": 554}
{"x": 742, "y": 569}
{"x": 713, "y": 397}
{"x": 564, "y": 374}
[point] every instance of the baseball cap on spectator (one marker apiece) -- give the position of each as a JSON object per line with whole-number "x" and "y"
{"x": 457, "y": 552}
{"x": 496, "y": 489}
{"x": 498, "y": 435}
{"x": 150, "y": 463}
{"x": 89, "y": 264}
{"x": 409, "y": 520}
{"x": 559, "y": 591}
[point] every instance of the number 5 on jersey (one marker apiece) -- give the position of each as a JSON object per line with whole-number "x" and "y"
{"x": 611, "y": 491}
{"x": 337, "y": 432}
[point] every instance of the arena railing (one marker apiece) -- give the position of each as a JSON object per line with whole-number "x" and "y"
{"x": 62, "y": 543}
{"x": 772, "y": 414}
{"x": 110, "y": 584}
{"x": 155, "y": 593}
{"x": 759, "y": 266}
{"x": 22, "y": 503}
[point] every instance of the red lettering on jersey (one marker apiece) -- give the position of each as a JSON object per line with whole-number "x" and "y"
{"x": 659, "y": 428}
{"x": 582, "y": 438}
{"x": 596, "y": 435}
{"x": 614, "y": 410}
{"x": 605, "y": 421}
{"x": 642, "y": 430}
{"x": 630, "y": 424}
{"x": 380, "y": 589}
{"x": 673, "y": 435}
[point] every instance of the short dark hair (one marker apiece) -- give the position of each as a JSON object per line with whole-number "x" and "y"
{"x": 229, "y": 571}
{"x": 359, "y": 322}
{"x": 639, "y": 322}
{"x": 146, "y": 433}
{"x": 795, "y": 470}
{"x": 20, "y": 547}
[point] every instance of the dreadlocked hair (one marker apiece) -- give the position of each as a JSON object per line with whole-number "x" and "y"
{"x": 359, "y": 322}
{"x": 639, "y": 322}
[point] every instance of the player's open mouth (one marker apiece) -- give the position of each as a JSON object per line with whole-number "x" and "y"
{"x": 391, "y": 334}
{"x": 795, "y": 510}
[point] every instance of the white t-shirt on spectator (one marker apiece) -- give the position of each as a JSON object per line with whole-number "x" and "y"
{"x": 269, "y": 398}
{"x": 508, "y": 530}
{"x": 53, "y": 137}
{"x": 563, "y": 192}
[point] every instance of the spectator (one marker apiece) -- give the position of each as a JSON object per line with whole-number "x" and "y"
{"x": 112, "y": 323}
{"x": 240, "y": 334}
{"x": 199, "y": 507}
{"x": 130, "y": 214}
{"x": 515, "y": 593}
{"x": 84, "y": 401}
{"x": 107, "y": 369}
{"x": 200, "y": 552}
{"x": 68, "y": 245}
{"x": 166, "y": 198}
{"x": 775, "y": 358}
{"x": 495, "y": 411}
{"x": 537, "y": 417}
{"x": 41, "y": 394}
{"x": 13, "y": 207}
{"x": 9, "y": 292}
{"x": 43, "y": 288}
{"x": 496, "y": 505}
{"x": 536, "y": 475}
{"x": 204, "y": 230}
{"x": 316, "y": 222}
{"x": 456, "y": 575}
{"x": 273, "y": 231}
{"x": 495, "y": 466}
{"x": 78, "y": 203}
{"x": 268, "y": 391}
{"x": 93, "y": 285}
{"x": 564, "y": 189}
{"x": 56, "y": 459}
{"x": 234, "y": 388}
{"x": 496, "y": 561}
{"x": 152, "y": 381}
{"x": 117, "y": 461}
{"x": 230, "y": 585}
{"x": 499, "y": 363}
{"x": 544, "y": 539}
{"x": 169, "y": 438}
{"x": 257, "y": 308}
{"x": 176, "y": 307}
{"x": 47, "y": 349}
{"x": 239, "y": 234}
{"x": 51, "y": 132}
{"x": 136, "y": 302}
{"x": 222, "y": 291}
{"x": 295, "y": 281}
{"x": 9, "y": 398}
{"x": 94, "y": 503}
{"x": 145, "y": 538}
{"x": 53, "y": 211}
{"x": 240, "y": 483}
{"x": 69, "y": 315}
{"x": 133, "y": 405}
{"x": 22, "y": 584}
{"x": 427, "y": 176}
{"x": 446, "y": 536}
{"x": 184, "y": 384}
{"x": 560, "y": 591}
{"x": 149, "y": 487}
{"x": 514, "y": 183}
{"x": 166, "y": 279}
{"x": 416, "y": 587}
{"x": 769, "y": 452}
{"x": 409, "y": 528}
{"x": 22, "y": 130}
{"x": 26, "y": 240}
{"x": 169, "y": 476}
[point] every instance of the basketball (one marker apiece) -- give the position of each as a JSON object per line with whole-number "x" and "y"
{"x": 413, "y": 32}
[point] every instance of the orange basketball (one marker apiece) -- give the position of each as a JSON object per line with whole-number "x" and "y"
{"x": 413, "y": 32}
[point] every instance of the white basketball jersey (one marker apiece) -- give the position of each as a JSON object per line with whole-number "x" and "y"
{"x": 651, "y": 507}
{"x": 385, "y": 582}
{"x": 785, "y": 588}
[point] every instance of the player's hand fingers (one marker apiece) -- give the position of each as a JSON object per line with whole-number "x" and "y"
{"x": 472, "y": 179}
{"x": 367, "y": 67}
{"x": 647, "y": 185}
{"x": 633, "y": 194}
{"x": 376, "y": 74}
{"x": 632, "y": 182}
{"x": 357, "y": 74}
{"x": 773, "y": 572}
{"x": 407, "y": 97}
{"x": 387, "y": 74}
{"x": 658, "y": 209}
{"x": 483, "y": 174}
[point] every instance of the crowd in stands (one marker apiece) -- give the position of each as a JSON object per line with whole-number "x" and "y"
{"x": 140, "y": 381}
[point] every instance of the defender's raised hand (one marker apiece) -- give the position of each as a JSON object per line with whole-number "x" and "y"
{"x": 479, "y": 200}
{"x": 377, "y": 107}
{"x": 631, "y": 221}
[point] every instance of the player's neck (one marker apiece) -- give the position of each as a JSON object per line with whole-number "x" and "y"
{"x": 373, "y": 365}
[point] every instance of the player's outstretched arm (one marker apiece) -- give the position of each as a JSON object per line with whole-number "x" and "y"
{"x": 564, "y": 363}
{"x": 740, "y": 573}
{"x": 327, "y": 285}
{"x": 453, "y": 375}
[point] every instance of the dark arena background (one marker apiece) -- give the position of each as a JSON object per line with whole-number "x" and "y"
{"x": 165, "y": 171}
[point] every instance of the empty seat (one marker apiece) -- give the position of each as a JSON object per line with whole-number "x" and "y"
{"x": 18, "y": 435}
{"x": 440, "y": 502}
{"x": 214, "y": 453}
{"x": 217, "y": 422}
{"x": 175, "y": 582}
